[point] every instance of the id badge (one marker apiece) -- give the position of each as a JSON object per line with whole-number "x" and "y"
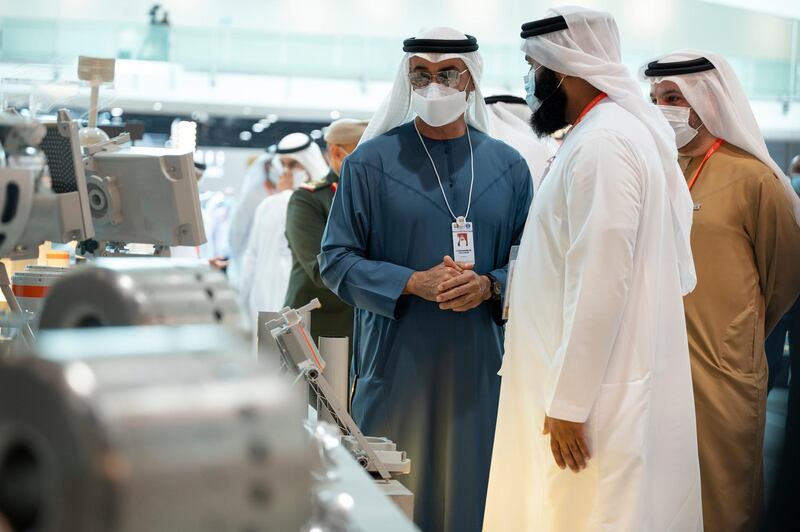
{"x": 512, "y": 262}
{"x": 463, "y": 243}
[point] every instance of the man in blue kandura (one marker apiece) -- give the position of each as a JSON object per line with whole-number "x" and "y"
{"x": 428, "y": 334}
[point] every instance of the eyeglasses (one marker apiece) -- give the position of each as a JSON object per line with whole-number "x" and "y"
{"x": 448, "y": 78}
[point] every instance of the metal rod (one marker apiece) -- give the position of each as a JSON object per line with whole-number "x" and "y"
{"x": 13, "y": 304}
{"x": 93, "y": 105}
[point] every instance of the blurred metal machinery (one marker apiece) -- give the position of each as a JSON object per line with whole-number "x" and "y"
{"x": 34, "y": 209}
{"x": 142, "y": 195}
{"x": 150, "y": 429}
{"x": 140, "y": 291}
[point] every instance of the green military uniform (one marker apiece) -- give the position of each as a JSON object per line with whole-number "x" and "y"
{"x": 305, "y": 223}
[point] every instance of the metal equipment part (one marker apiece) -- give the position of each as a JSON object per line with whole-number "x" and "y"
{"x": 31, "y": 285}
{"x": 150, "y": 429}
{"x": 143, "y": 196}
{"x": 385, "y": 450}
{"x": 143, "y": 291}
{"x": 34, "y": 209}
{"x": 30, "y": 212}
{"x": 300, "y": 357}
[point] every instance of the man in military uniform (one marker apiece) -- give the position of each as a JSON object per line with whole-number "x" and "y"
{"x": 305, "y": 223}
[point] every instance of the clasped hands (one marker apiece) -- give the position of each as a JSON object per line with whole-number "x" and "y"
{"x": 453, "y": 285}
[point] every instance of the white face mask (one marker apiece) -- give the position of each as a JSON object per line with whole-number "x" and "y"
{"x": 438, "y": 105}
{"x": 299, "y": 178}
{"x": 678, "y": 118}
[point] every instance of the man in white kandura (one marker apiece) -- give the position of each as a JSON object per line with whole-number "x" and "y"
{"x": 509, "y": 121}
{"x": 596, "y": 426}
{"x": 259, "y": 182}
{"x": 267, "y": 260}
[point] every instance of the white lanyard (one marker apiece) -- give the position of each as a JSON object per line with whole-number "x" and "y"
{"x": 460, "y": 220}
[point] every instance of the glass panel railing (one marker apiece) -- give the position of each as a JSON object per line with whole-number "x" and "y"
{"x": 761, "y": 47}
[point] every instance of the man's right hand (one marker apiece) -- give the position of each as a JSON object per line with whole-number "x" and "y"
{"x": 568, "y": 443}
{"x": 425, "y": 284}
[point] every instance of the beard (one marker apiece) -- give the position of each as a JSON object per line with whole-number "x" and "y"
{"x": 550, "y": 117}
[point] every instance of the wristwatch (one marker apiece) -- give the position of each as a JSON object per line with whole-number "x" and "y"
{"x": 496, "y": 289}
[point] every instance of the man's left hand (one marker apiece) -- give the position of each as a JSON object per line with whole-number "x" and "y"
{"x": 464, "y": 292}
{"x": 219, "y": 263}
{"x": 567, "y": 443}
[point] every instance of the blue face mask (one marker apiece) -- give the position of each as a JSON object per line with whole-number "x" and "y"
{"x": 796, "y": 182}
{"x": 530, "y": 88}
